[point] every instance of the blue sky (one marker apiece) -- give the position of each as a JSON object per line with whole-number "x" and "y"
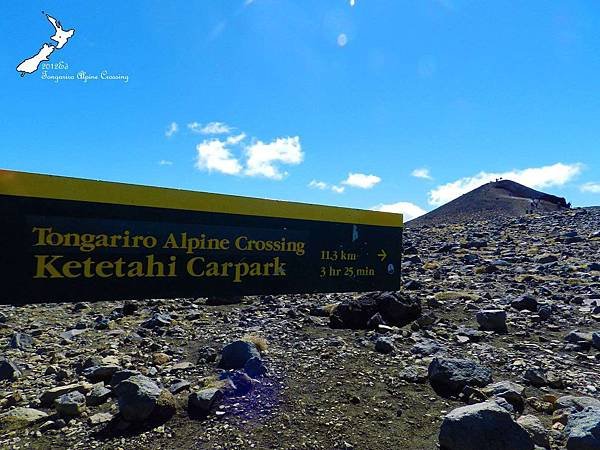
{"x": 400, "y": 105}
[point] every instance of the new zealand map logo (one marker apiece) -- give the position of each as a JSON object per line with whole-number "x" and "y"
{"x": 60, "y": 37}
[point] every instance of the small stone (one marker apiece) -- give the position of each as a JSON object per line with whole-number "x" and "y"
{"x": 52, "y": 394}
{"x": 69, "y": 335}
{"x": 384, "y": 344}
{"x": 71, "y": 404}
{"x": 427, "y": 348}
{"x": 98, "y": 395}
{"x": 413, "y": 374}
{"x": 546, "y": 259}
{"x": 204, "y": 401}
{"x": 582, "y": 340}
{"x": 99, "y": 419}
{"x": 20, "y": 418}
{"x": 21, "y": 341}
{"x": 512, "y": 392}
{"x": 575, "y": 404}
{"x": 236, "y": 354}
{"x": 536, "y": 377}
{"x": 182, "y": 365}
{"x": 139, "y": 397}
{"x": 9, "y": 370}
{"x": 375, "y": 322}
{"x": 492, "y": 320}
{"x": 545, "y": 312}
{"x": 525, "y": 302}
{"x": 157, "y": 321}
{"x": 100, "y": 373}
{"x": 535, "y": 429}
{"x": 81, "y": 306}
{"x": 450, "y": 375}
{"x": 555, "y": 380}
{"x": 160, "y": 358}
{"x": 179, "y": 386}
{"x": 471, "y": 334}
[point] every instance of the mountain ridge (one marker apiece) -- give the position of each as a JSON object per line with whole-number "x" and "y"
{"x": 501, "y": 197}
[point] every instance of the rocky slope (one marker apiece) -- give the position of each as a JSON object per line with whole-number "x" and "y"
{"x": 495, "y": 333}
{"x": 500, "y": 198}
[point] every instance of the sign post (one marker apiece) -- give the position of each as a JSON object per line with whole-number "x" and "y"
{"x": 68, "y": 239}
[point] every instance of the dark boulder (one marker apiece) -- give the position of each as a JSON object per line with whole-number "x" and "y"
{"x": 482, "y": 426}
{"x": 201, "y": 403}
{"x": 9, "y": 370}
{"x": 393, "y": 308}
{"x": 525, "y": 302}
{"x": 236, "y": 354}
{"x": 448, "y": 376}
{"x": 355, "y": 313}
{"x": 583, "y": 430}
{"x": 492, "y": 320}
{"x": 141, "y": 399}
{"x": 21, "y": 341}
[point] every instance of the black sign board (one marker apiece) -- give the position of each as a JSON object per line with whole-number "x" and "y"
{"x": 67, "y": 239}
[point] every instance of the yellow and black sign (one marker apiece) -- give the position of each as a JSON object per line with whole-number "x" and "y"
{"x": 68, "y": 239}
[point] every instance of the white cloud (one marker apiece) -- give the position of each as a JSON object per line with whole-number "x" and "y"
{"x": 342, "y": 39}
{"x": 234, "y": 140}
{"x": 262, "y": 159}
{"x": 195, "y": 127}
{"x": 172, "y": 129}
{"x": 314, "y": 184}
{"x": 210, "y": 128}
{"x": 216, "y": 128}
{"x": 321, "y": 185}
{"x": 409, "y": 210}
{"x": 422, "y": 173}
{"x": 362, "y": 181}
{"x": 590, "y": 187}
{"x": 213, "y": 155}
{"x": 535, "y": 177}
{"x": 164, "y": 162}
{"x": 233, "y": 155}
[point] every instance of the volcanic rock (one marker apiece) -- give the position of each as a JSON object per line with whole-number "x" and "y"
{"x": 450, "y": 375}
{"x": 492, "y": 320}
{"x": 395, "y": 309}
{"x": 204, "y": 401}
{"x": 236, "y": 354}
{"x": 525, "y": 302}
{"x": 9, "y": 370}
{"x": 535, "y": 429}
{"x": 21, "y": 341}
{"x": 511, "y": 392}
{"x": 139, "y": 397}
{"x": 583, "y": 430}
{"x": 70, "y": 405}
{"x": 98, "y": 395}
{"x": 482, "y": 426}
{"x": 20, "y": 418}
